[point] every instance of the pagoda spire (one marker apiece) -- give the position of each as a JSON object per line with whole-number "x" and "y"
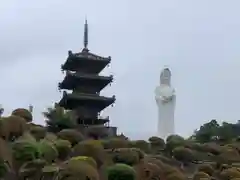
{"x": 85, "y": 34}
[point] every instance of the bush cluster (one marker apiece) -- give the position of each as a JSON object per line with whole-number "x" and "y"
{"x": 35, "y": 152}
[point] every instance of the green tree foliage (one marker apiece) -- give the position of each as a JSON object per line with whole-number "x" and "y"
{"x": 212, "y": 131}
{"x": 58, "y": 119}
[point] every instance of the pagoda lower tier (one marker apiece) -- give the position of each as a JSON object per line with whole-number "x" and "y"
{"x": 75, "y": 100}
{"x": 97, "y": 121}
{"x": 85, "y": 82}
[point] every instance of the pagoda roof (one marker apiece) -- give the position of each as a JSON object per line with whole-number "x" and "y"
{"x": 74, "y": 100}
{"x": 85, "y": 60}
{"x": 72, "y": 80}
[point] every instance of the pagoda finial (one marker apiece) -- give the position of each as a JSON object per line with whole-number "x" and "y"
{"x": 85, "y": 34}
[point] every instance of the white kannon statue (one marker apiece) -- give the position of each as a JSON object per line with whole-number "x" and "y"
{"x": 166, "y": 100}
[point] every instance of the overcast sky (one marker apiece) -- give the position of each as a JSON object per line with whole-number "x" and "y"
{"x": 198, "y": 40}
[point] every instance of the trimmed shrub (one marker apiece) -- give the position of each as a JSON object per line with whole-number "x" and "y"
{"x": 141, "y": 144}
{"x": 174, "y": 141}
{"x": 230, "y": 173}
{"x": 206, "y": 168}
{"x": 201, "y": 175}
{"x": 64, "y": 148}
{"x": 38, "y": 132}
{"x": 12, "y": 127}
{"x": 71, "y": 135}
{"x": 157, "y": 142}
{"x": 86, "y": 159}
{"x": 175, "y": 176}
{"x": 78, "y": 170}
{"x": 23, "y": 113}
{"x": 24, "y": 151}
{"x": 31, "y": 169}
{"x": 91, "y": 148}
{"x": 4, "y": 168}
{"x": 183, "y": 154}
{"x": 6, "y": 153}
{"x": 115, "y": 143}
{"x": 50, "y": 137}
{"x": 120, "y": 172}
{"x": 125, "y": 156}
{"x": 48, "y": 151}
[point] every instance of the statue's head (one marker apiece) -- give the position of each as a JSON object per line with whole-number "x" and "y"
{"x": 165, "y": 77}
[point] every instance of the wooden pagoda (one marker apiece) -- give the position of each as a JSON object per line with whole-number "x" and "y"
{"x": 82, "y": 77}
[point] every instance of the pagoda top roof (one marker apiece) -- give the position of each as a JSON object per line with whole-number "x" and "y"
{"x": 85, "y": 59}
{"x": 86, "y": 54}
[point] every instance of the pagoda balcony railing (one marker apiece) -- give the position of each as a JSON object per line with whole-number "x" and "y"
{"x": 86, "y": 94}
{"x": 103, "y": 117}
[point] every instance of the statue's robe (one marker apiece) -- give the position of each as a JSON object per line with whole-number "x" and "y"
{"x": 166, "y": 99}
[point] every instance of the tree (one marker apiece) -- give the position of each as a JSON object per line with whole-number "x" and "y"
{"x": 207, "y": 132}
{"x": 58, "y": 119}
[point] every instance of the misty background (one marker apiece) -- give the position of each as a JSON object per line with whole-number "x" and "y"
{"x": 198, "y": 40}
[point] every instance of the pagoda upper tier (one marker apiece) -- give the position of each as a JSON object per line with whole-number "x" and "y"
{"x": 89, "y": 83}
{"x": 85, "y": 62}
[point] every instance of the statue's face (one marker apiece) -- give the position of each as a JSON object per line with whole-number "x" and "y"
{"x": 165, "y": 76}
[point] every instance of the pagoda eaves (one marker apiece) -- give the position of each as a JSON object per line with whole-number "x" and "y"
{"x": 95, "y": 82}
{"x": 75, "y": 100}
{"x": 85, "y": 62}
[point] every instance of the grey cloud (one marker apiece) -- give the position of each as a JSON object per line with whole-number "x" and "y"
{"x": 198, "y": 40}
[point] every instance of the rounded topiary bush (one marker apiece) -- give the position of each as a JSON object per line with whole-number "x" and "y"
{"x": 48, "y": 151}
{"x": 115, "y": 143}
{"x": 125, "y": 156}
{"x": 24, "y": 113}
{"x": 141, "y": 144}
{"x": 120, "y": 172}
{"x": 156, "y": 142}
{"x": 50, "y": 137}
{"x": 71, "y": 135}
{"x": 206, "y": 168}
{"x": 4, "y": 168}
{"x": 183, "y": 154}
{"x": 201, "y": 175}
{"x": 31, "y": 169}
{"x": 230, "y": 173}
{"x": 174, "y": 141}
{"x": 38, "y": 132}
{"x": 12, "y": 127}
{"x": 86, "y": 159}
{"x": 78, "y": 170}
{"x": 91, "y": 148}
{"x": 175, "y": 176}
{"x": 64, "y": 148}
{"x": 24, "y": 151}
